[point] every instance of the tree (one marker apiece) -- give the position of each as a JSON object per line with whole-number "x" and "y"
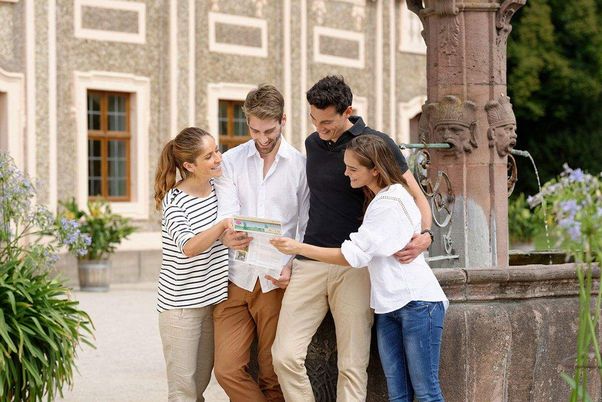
{"x": 555, "y": 82}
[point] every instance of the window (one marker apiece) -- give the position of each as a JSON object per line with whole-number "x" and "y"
{"x": 233, "y": 129}
{"x": 109, "y": 145}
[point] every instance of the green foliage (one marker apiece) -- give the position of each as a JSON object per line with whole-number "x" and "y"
{"x": 574, "y": 202}
{"x": 523, "y": 222}
{"x": 105, "y": 228}
{"x": 40, "y": 327}
{"x": 555, "y": 82}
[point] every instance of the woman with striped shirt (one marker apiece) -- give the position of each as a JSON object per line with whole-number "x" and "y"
{"x": 194, "y": 271}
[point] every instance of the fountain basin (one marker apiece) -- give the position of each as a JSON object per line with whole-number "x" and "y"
{"x": 508, "y": 334}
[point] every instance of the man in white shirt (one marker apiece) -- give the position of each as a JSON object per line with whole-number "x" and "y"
{"x": 264, "y": 178}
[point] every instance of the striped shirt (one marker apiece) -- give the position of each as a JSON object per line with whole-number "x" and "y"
{"x": 189, "y": 282}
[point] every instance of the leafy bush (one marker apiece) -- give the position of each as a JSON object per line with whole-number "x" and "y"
{"x": 40, "y": 326}
{"x": 105, "y": 228}
{"x": 574, "y": 200}
{"x": 524, "y": 223}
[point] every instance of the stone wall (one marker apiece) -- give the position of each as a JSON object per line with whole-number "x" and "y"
{"x": 508, "y": 335}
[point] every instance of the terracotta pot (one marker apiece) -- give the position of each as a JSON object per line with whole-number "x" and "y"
{"x": 94, "y": 275}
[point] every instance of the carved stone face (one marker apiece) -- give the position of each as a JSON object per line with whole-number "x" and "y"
{"x": 504, "y": 138}
{"x": 458, "y": 136}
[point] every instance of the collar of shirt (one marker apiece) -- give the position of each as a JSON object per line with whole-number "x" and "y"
{"x": 284, "y": 150}
{"x": 355, "y": 130}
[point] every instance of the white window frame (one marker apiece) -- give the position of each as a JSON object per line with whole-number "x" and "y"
{"x": 225, "y": 91}
{"x": 13, "y": 87}
{"x": 407, "y": 111}
{"x": 407, "y": 17}
{"x": 360, "y": 104}
{"x": 139, "y": 89}
{"x": 238, "y": 20}
{"x": 111, "y": 36}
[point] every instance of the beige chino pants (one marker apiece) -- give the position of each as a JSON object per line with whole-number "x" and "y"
{"x": 187, "y": 337}
{"x": 314, "y": 288}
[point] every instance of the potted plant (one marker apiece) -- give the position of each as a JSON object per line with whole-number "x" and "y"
{"x": 106, "y": 231}
{"x": 41, "y": 327}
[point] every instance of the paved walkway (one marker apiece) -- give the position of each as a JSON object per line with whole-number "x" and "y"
{"x": 127, "y": 364}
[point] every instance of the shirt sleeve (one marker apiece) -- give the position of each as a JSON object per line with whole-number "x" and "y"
{"x": 303, "y": 202}
{"x": 386, "y": 229}
{"x": 177, "y": 225}
{"x": 228, "y": 203}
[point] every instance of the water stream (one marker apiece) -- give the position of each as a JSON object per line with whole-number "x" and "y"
{"x": 543, "y": 201}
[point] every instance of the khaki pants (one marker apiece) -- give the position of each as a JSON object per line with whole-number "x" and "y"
{"x": 236, "y": 321}
{"x": 314, "y": 288}
{"x": 187, "y": 337}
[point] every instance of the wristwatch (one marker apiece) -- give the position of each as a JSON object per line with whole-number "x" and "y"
{"x": 429, "y": 232}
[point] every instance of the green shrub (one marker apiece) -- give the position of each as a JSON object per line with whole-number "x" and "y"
{"x": 40, "y": 326}
{"x": 523, "y": 222}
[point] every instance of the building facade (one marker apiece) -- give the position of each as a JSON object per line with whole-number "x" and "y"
{"x": 90, "y": 90}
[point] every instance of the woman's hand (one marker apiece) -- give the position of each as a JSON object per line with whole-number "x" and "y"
{"x": 227, "y": 223}
{"x": 286, "y": 245}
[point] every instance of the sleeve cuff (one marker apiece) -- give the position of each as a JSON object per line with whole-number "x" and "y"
{"x": 354, "y": 255}
{"x": 183, "y": 240}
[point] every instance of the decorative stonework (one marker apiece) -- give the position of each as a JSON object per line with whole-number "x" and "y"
{"x": 358, "y": 13}
{"x": 114, "y": 27}
{"x": 502, "y": 125}
{"x": 449, "y": 39}
{"x": 259, "y": 5}
{"x": 503, "y": 27}
{"x": 446, "y": 7}
{"x": 339, "y": 47}
{"x": 319, "y": 9}
{"x": 237, "y": 34}
{"x": 454, "y": 122}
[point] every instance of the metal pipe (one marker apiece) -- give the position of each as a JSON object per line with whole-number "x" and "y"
{"x": 444, "y": 145}
{"x": 438, "y": 145}
{"x": 518, "y": 152}
{"x": 442, "y": 258}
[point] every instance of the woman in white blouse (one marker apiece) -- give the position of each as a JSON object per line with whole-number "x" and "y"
{"x": 408, "y": 302}
{"x": 194, "y": 269}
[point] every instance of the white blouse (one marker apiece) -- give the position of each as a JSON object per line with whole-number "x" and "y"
{"x": 386, "y": 229}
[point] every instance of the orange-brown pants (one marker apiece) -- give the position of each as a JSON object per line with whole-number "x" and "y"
{"x": 236, "y": 321}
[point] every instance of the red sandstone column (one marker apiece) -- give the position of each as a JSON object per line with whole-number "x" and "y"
{"x": 467, "y": 107}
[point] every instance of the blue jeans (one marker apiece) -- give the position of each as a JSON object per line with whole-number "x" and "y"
{"x": 409, "y": 343}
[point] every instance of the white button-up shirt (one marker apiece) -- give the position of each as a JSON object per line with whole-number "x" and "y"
{"x": 389, "y": 223}
{"x": 281, "y": 195}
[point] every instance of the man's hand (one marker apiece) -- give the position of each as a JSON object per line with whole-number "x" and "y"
{"x": 236, "y": 240}
{"x": 285, "y": 276}
{"x": 418, "y": 244}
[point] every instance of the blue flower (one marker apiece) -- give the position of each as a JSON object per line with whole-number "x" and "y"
{"x": 577, "y": 175}
{"x": 570, "y": 207}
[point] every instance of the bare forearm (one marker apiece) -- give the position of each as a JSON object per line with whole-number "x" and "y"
{"x": 426, "y": 218}
{"x": 422, "y": 203}
{"x": 324, "y": 254}
{"x": 202, "y": 241}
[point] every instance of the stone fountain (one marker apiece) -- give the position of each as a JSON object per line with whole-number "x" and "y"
{"x": 510, "y": 330}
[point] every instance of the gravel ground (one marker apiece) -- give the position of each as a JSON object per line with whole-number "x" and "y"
{"x": 127, "y": 364}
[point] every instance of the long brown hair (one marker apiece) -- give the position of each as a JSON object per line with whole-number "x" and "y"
{"x": 186, "y": 147}
{"x": 373, "y": 152}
